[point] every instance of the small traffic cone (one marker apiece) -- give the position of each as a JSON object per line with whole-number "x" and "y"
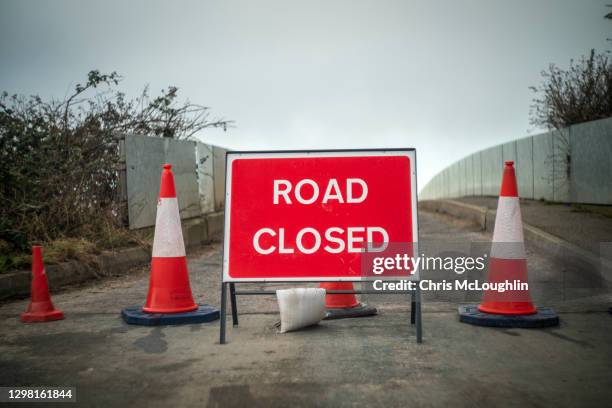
{"x": 40, "y": 308}
{"x": 169, "y": 300}
{"x": 508, "y": 265}
{"x": 339, "y": 306}
{"x": 347, "y": 301}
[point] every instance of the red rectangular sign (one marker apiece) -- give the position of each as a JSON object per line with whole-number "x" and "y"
{"x": 307, "y": 216}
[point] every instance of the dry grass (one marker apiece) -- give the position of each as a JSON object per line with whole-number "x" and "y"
{"x": 84, "y": 249}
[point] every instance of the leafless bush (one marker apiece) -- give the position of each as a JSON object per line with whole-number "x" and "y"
{"x": 58, "y": 159}
{"x": 579, "y": 94}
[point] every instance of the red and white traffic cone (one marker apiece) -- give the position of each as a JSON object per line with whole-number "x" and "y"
{"x": 511, "y": 307}
{"x": 40, "y": 308}
{"x": 169, "y": 288}
{"x": 169, "y": 300}
{"x": 342, "y": 301}
{"x": 340, "y": 306}
{"x": 508, "y": 262}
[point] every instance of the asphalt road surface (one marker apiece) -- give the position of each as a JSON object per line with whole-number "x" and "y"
{"x": 371, "y": 361}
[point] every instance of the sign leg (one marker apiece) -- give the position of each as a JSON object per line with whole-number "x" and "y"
{"x": 233, "y": 302}
{"x": 412, "y": 307}
{"x": 223, "y": 312}
{"x": 419, "y": 325}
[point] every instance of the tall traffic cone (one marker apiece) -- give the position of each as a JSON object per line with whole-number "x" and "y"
{"x": 40, "y": 308}
{"x": 508, "y": 262}
{"x": 511, "y": 307}
{"x": 169, "y": 288}
{"x": 340, "y": 306}
{"x": 169, "y": 300}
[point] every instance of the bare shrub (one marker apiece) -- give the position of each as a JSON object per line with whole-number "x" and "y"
{"x": 579, "y": 94}
{"x": 58, "y": 158}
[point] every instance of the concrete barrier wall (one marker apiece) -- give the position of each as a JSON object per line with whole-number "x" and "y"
{"x": 199, "y": 171}
{"x": 591, "y": 174}
{"x": 571, "y": 165}
{"x": 206, "y": 182}
{"x": 219, "y": 178}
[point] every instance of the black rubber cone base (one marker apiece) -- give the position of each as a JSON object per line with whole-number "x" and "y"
{"x": 360, "y": 310}
{"x": 135, "y": 315}
{"x": 545, "y": 317}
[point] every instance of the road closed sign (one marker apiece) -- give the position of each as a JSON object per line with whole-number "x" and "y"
{"x": 315, "y": 216}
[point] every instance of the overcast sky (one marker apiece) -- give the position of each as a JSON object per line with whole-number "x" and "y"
{"x": 446, "y": 77}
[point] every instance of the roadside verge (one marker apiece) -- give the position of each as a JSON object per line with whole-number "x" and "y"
{"x": 196, "y": 231}
{"x": 556, "y": 247}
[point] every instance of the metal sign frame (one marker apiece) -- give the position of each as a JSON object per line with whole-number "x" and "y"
{"x": 415, "y": 309}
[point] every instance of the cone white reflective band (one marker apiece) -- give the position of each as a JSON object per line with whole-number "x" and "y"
{"x": 508, "y": 241}
{"x": 168, "y": 240}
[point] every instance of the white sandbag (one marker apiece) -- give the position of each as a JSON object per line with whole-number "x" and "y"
{"x": 300, "y": 307}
